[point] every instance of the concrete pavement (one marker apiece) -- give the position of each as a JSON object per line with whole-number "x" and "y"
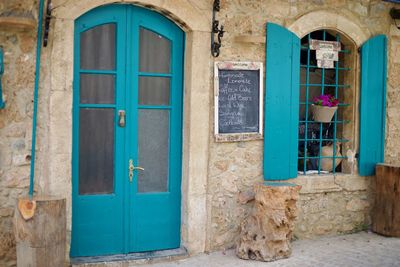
{"x": 361, "y": 249}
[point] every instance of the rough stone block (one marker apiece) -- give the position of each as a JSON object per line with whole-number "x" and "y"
{"x": 352, "y": 183}
{"x": 21, "y": 160}
{"x": 357, "y": 205}
{"x": 358, "y": 8}
{"x": 317, "y": 184}
{"x": 246, "y": 196}
{"x": 395, "y": 51}
{"x": 394, "y": 31}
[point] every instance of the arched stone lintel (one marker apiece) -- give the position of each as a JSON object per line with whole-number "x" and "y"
{"x": 324, "y": 19}
{"x": 182, "y": 12}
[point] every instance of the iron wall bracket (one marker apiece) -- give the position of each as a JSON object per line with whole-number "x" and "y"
{"x": 47, "y": 23}
{"x": 215, "y": 29}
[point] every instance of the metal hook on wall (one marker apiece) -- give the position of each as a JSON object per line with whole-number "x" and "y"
{"x": 216, "y": 45}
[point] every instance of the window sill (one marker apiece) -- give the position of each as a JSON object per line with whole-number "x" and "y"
{"x": 312, "y": 184}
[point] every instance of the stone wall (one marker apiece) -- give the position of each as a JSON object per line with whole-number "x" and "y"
{"x": 333, "y": 205}
{"x": 19, "y": 43}
{"x": 392, "y": 154}
{"x": 328, "y": 204}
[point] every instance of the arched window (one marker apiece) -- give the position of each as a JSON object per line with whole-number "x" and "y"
{"x": 293, "y": 78}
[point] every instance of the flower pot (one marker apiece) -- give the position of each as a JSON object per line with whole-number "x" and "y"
{"x": 323, "y": 113}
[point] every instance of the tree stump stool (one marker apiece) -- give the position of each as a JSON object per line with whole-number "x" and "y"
{"x": 40, "y": 231}
{"x": 386, "y": 212}
{"x": 266, "y": 234}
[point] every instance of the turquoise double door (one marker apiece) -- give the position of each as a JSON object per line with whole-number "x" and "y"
{"x": 127, "y": 132}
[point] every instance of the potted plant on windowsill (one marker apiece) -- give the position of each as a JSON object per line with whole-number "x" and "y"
{"x": 324, "y": 107}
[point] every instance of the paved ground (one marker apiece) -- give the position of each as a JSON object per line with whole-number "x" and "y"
{"x": 362, "y": 249}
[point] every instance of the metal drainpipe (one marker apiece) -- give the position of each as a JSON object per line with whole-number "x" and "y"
{"x": 35, "y": 98}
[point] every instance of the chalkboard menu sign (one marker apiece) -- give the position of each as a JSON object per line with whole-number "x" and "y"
{"x": 238, "y": 101}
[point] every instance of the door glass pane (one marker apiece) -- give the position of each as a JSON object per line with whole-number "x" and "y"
{"x": 98, "y": 48}
{"x": 96, "y": 151}
{"x": 155, "y": 52}
{"x": 97, "y": 89}
{"x": 153, "y": 150}
{"x": 154, "y": 91}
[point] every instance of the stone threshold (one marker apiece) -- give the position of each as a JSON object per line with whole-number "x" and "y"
{"x": 131, "y": 258}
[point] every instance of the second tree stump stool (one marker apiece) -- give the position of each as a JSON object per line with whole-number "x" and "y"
{"x": 386, "y": 212}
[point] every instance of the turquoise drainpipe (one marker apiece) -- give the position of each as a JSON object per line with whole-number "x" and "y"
{"x": 35, "y": 97}
{"x": 2, "y": 104}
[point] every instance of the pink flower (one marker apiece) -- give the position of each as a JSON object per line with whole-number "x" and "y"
{"x": 326, "y": 101}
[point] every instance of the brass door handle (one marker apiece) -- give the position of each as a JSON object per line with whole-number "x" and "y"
{"x": 132, "y": 168}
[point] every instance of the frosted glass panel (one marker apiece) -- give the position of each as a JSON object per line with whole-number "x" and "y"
{"x": 153, "y": 150}
{"x": 98, "y": 48}
{"x": 154, "y": 90}
{"x": 96, "y": 151}
{"x": 155, "y": 52}
{"x": 97, "y": 89}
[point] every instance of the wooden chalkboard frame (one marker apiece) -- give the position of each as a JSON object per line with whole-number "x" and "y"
{"x": 243, "y": 136}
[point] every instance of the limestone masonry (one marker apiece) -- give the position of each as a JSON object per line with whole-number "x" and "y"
{"x": 215, "y": 174}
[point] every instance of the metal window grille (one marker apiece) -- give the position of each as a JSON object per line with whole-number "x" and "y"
{"x": 316, "y": 137}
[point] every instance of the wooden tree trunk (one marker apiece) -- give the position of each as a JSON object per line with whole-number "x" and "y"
{"x": 267, "y": 232}
{"x": 386, "y": 212}
{"x": 41, "y": 237}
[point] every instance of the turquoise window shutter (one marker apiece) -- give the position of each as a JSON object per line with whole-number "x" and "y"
{"x": 281, "y": 103}
{"x": 372, "y": 104}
